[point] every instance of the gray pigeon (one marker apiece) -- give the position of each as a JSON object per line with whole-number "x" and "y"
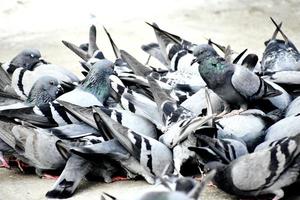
{"x": 177, "y": 53}
{"x": 178, "y": 121}
{"x": 75, "y": 169}
{"x": 27, "y": 59}
{"x": 92, "y": 50}
{"x": 179, "y": 124}
{"x": 262, "y": 172}
{"x": 235, "y": 84}
{"x": 126, "y": 118}
{"x": 31, "y": 145}
{"x": 222, "y": 150}
{"x": 248, "y": 126}
{"x": 112, "y": 149}
{"x": 136, "y": 102}
{"x": 286, "y": 127}
{"x": 45, "y": 90}
{"x": 151, "y": 154}
{"x": 22, "y": 80}
{"x": 280, "y": 55}
{"x": 93, "y": 90}
{"x": 293, "y": 108}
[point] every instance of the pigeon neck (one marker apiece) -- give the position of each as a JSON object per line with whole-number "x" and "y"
{"x": 98, "y": 85}
{"x": 37, "y": 99}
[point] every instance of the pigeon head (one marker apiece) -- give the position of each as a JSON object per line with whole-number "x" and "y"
{"x": 97, "y": 80}
{"x": 44, "y": 90}
{"x": 202, "y": 52}
{"x": 27, "y": 59}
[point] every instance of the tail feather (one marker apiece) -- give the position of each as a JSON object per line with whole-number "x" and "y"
{"x": 92, "y": 40}
{"x": 81, "y": 53}
{"x": 137, "y": 67}
{"x": 113, "y": 44}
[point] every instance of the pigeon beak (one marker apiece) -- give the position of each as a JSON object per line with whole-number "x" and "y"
{"x": 194, "y": 61}
{"x": 42, "y": 60}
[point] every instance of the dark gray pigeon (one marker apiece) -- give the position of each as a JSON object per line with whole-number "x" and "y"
{"x": 27, "y": 59}
{"x": 262, "y": 172}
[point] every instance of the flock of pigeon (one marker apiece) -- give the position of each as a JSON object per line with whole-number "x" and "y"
{"x": 232, "y": 118}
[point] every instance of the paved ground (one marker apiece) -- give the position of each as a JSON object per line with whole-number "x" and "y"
{"x": 43, "y": 24}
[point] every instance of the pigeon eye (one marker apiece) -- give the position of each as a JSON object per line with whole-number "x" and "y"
{"x": 31, "y": 55}
{"x": 51, "y": 82}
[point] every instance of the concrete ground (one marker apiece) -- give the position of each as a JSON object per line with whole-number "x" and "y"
{"x": 43, "y": 24}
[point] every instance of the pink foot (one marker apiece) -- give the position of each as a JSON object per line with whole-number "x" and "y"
{"x": 211, "y": 185}
{"x": 21, "y": 165}
{"x": 50, "y": 177}
{"x": 4, "y": 164}
{"x": 119, "y": 178}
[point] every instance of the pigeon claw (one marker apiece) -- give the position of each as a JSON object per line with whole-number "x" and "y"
{"x": 4, "y": 164}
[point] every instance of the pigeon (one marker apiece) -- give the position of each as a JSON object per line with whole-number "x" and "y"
{"x": 262, "y": 172}
{"x": 20, "y": 80}
{"x": 151, "y": 154}
{"x": 28, "y": 59}
{"x": 75, "y": 169}
{"x": 178, "y": 121}
{"x": 136, "y": 102}
{"x": 113, "y": 150}
{"x": 44, "y": 91}
{"x": 31, "y": 144}
{"x": 93, "y": 90}
{"x": 126, "y": 118}
{"x": 222, "y": 150}
{"x": 281, "y": 101}
{"x": 280, "y": 55}
{"x": 177, "y": 53}
{"x": 248, "y": 126}
{"x": 293, "y": 108}
{"x": 235, "y": 84}
{"x": 179, "y": 124}
{"x": 286, "y": 127}
{"x": 194, "y": 193}
{"x": 199, "y": 108}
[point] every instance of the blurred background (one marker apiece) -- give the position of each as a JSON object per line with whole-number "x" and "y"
{"x": 44, "y": 23}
